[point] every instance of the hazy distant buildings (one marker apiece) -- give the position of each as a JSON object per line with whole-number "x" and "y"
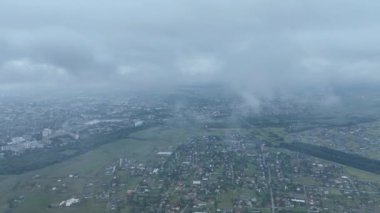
{"x": 164, "y": 153}
{"x": 138, "y": 123}
{"x": 46, "y": 132}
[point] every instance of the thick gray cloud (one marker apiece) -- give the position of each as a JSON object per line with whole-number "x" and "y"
{"x": 258, "y": 46}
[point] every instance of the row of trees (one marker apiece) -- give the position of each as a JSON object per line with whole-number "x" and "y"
{"x": 353, "y": 160}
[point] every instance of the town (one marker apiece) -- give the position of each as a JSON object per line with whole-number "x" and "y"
{"x": 230, "y": 173}
{"x": 161, "y": 155}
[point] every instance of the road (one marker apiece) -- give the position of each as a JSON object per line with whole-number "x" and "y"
{"x": 273, "y": 207}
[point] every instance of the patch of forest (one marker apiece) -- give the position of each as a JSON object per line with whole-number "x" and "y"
{"x": 39, "y": 158}
{"x": 348, "y": 159}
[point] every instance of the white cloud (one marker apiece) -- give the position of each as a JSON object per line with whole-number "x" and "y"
{"x": 24, "y": 70}
{"x": 199, "y": 66}
{"x": 255, "y": 45}
{"x": 125, "y": 70}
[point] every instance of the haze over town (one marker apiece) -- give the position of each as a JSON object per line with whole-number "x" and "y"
{"x": 189, "y": 106}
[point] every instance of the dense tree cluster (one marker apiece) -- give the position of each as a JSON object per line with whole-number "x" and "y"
{"x": 353, "y": 160}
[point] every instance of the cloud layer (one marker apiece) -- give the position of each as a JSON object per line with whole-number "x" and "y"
{"x": 258, "y": 46}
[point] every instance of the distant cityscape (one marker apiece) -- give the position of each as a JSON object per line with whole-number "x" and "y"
{"x": 199, "y": 154}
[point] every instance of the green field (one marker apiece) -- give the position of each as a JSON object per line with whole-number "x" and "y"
{"x": 362, "y": 175}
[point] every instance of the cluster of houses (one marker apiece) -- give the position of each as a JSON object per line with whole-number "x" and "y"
{"x": 211, "y": 174}
{"x": 233, "y": 173}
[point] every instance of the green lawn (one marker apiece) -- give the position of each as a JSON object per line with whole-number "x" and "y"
{"x": 362, "y": 175}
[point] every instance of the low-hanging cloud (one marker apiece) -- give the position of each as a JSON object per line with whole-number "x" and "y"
{"x": 254, "y": 46}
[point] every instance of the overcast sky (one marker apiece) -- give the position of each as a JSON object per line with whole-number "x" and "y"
{"x": 253, "y": 45}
